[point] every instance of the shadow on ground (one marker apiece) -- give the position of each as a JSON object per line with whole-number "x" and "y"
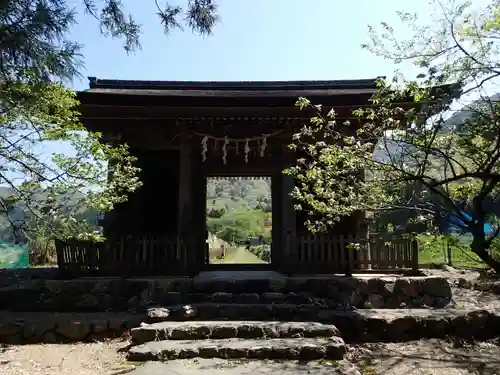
{"x": 427, "y": 357}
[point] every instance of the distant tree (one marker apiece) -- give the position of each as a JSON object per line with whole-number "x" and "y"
{"x": 236, "y": 226}
{"x": 451, "y": 163}
{"x": 199, "y": 15}
{"x": 37, "y": 57}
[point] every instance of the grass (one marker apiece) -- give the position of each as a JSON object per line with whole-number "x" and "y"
{"x": 434, "y": 250}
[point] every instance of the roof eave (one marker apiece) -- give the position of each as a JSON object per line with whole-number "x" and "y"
{"x": 95, "y": 82}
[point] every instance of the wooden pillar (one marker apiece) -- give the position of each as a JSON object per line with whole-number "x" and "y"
{"x": 277, "y": 245}
{"x": 288, "y": 215}
{"x": 197, "y": 225}
{"x": 185, "y": 199}
{"x": 288, "y": 218}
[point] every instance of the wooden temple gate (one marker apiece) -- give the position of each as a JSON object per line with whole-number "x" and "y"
{"x": 184, "y": 132}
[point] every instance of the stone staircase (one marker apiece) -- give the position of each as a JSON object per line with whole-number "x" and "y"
{"x": 170, "y": 337}
{"x": 270, "y": 316}
{"x": 268, "y": 319}
{"x": 354, "y": 326}
{"x": 238, "y": 321}
{"x": 236, "y": 339}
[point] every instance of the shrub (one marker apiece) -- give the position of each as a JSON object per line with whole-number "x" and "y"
{"x": 262, "y": 251}
{"x": 42, "y": 251}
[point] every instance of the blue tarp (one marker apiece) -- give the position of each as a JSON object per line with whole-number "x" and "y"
{"x": 457, "y": 224}
{"x": 13, "y": 256}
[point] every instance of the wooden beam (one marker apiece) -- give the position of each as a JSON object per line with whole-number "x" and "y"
{"x": 95, "y": 111}
{"x": 168, "y": 130}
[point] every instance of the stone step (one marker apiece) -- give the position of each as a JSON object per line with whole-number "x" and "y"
{"x": 117, "y": 294}
{"x": 336, "y": 299}
{"x": 233, "y": 311}
{"x": 229, "y": 329}
{"x": 290, "y": 348}
{"x": 176, "y": 298}
{"x": 355, "y": 325}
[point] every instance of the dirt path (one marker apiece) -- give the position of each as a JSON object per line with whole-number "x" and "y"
{"x": 240, "y": 255}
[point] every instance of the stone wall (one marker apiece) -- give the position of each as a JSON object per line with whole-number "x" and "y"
{"x": 30, "y": 328}
{"x": 96, "y": 295}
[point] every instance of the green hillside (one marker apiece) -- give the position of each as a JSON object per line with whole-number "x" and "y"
{"x": 235, "y": 193}
{"x": 239, "y": 208}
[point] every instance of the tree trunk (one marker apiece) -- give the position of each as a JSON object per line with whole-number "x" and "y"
{"x": 478, "y": 247}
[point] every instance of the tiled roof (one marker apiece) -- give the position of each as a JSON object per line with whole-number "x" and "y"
{"x": 232, "y": 88}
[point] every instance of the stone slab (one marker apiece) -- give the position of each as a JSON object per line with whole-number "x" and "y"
{"x": 115, "y": 294}
{"x": 298, "y": 348}
{"x": 233, "y": 311}
{"x": 268, "y": 297}
{"x": 175, "y": 298}
{"x": 401, "y": 325}
{"x": 230, "y": 329}
{"x": 216, "y": 366}
{"x": 260, "y": 312}
{"x": 355, "y": 326}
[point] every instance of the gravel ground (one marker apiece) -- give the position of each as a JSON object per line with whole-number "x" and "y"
{"x": 427, "y": 357}
{"x": 474, "y": 299}
{"x": 467, "y": 297}
{"x": 68, "y": 359}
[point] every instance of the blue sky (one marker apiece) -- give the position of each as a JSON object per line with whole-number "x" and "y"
{"x": 256, "y": 40}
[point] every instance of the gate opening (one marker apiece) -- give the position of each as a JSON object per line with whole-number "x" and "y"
{"x": 239, "y": 220}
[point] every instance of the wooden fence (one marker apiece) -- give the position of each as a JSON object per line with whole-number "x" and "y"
{"x": 129, "y": 256}
{"x": 345, "y": 255}
{"x": 162, "y": 256}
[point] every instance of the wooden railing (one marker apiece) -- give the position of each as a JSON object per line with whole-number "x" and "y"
{"x": 128, "y": 256}
{"x": 166, "y": 256}
{"x": 324, "y": 254}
